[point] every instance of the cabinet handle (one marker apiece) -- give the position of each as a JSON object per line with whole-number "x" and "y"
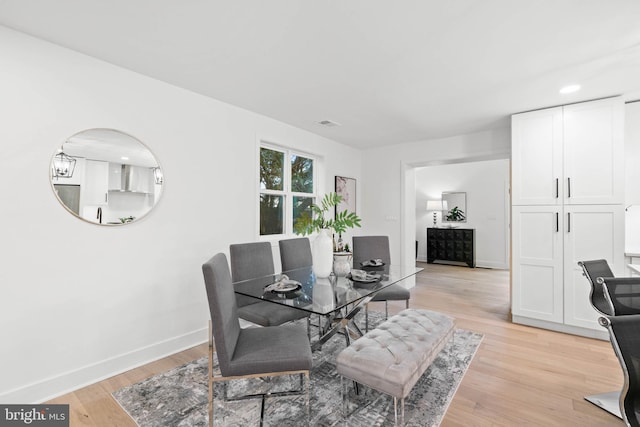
{"x": 568, "y": 222}
{"x": 557, "y": 222}
{"x": 557, "y": 190}
{"x": 568, "y": 187}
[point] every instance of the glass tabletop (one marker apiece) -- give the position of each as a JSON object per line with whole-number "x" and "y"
{"x": 322, "y": 295}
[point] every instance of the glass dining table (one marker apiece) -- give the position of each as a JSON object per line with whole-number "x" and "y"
{"x": 335, "y": 299}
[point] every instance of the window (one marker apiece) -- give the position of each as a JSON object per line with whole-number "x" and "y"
{"x": 287, "y": 188}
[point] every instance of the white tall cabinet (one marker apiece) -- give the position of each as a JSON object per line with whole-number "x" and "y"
{"x": 567, "y": 206}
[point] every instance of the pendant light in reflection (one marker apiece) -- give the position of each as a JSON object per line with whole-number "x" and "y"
{"x": 157, "y": 175}
{"x": 63, "y": 165}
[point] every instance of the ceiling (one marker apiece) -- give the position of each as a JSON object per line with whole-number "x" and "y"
{"x": 387, "y": 71}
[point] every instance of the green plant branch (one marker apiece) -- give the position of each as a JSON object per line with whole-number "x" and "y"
{"x": 308, "y": 223}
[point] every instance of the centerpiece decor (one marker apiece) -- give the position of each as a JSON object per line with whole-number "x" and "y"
{"x": 313, "y": 221}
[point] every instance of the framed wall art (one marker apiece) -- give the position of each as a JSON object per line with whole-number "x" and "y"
{"x": 346, "y": 187}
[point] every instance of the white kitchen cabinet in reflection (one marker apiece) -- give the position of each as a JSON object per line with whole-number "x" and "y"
{"x": 95, "y": 191}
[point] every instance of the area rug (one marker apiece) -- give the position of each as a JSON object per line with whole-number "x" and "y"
{"x": 179, "y": 397}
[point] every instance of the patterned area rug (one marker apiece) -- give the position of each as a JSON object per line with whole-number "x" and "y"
{"x": 179, "y": 397}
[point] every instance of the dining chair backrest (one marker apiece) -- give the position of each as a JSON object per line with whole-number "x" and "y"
{"x": 593, "y": 270}
{"x": 295, "y": 253}
{"x": 222, "y": 308}
{"x": 622, "y": 294}
{"x": 370, "y": 247}
{"x": 250, "y": 260}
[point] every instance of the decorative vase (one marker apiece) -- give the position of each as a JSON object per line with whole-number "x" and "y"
{"x": 341, "y": 263}
{"x": 322, "y": 252}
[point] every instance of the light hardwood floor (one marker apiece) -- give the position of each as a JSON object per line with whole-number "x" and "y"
{"x": 520, "y": 376}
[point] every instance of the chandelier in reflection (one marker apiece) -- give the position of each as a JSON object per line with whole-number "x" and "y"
{"x": 157, "y": 175}
{"x": 63, "y": 165}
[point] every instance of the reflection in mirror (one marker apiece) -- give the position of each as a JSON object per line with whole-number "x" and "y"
{"x": 106, "y": 177}
{"x": 456, "y": 206}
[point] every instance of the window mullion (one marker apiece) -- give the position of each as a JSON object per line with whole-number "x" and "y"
{"x": 288, "y": 201}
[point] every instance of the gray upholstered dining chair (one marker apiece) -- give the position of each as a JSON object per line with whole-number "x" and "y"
{"x": 377, "y": 247}
{"x": 251, "y": 260}
{"x": 295, "y": 253}
{"x": 251, "y": 352}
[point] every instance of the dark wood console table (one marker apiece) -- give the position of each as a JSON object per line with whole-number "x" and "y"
{"x": 452, "y": 244}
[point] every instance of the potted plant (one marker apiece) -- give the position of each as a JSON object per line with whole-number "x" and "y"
{"x": 314, "y": 220}
{"x": 455, "y": 215}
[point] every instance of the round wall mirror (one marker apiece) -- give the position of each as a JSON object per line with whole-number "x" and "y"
{"x": 106, "y": 177}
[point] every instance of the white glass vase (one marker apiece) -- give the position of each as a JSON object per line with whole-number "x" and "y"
{"x": 322, "y": 252}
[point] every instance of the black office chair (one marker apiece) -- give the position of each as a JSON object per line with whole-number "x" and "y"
{"x": 251, "y": 352}
{"x": 599, "y": 275}
{"x": 624, "y": 332}
{"x": 366, "y": 248}
{"x": 622, "y": 294}
{"x": 251, "y": 260}
{"x": 593, "y": 270}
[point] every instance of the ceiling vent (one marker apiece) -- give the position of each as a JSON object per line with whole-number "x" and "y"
{"x": 328, "y": 123}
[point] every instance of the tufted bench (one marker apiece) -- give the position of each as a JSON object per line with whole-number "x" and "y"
{"x": 392, "y": 357}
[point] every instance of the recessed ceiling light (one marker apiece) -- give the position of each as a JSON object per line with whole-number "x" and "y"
{"x": 569, "y": 89}
{"x": 124, "y": 158}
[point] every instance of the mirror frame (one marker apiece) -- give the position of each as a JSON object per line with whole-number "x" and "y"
{"x": 53, "y": 181}
{"x": 463, "y": 208}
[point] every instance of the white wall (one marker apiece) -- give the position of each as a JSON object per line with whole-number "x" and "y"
{"x": 486, "y": 184}
{"x": 81, "y": 302}
{"x": 389, "y": 181}
{"x": 632, "y": 177}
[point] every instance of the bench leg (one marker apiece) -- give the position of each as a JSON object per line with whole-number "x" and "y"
{"x": 395, "y": 411}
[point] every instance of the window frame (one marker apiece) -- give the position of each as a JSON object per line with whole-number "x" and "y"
{"x": 286, "y": 192}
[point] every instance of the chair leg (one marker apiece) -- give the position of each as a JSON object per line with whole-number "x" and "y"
{"x": 386, "y": 310}
{"x": 210, "y": 404}
{"x": 366, "y": 318}
{"x": 343, "y": 387}
{"x": 407, "y": 304}
{"x": 307, "y": 390}
{"x": 210, "y": 374}
{"x": 309, "y": 327}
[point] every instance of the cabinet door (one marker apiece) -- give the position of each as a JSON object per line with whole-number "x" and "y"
{"x": 591, "y": 232}
{"x": 536, "y": 157}
{"x": 537, "y": 263}
{"x": 96, "y": 183}
{"x": 594, "y": 152}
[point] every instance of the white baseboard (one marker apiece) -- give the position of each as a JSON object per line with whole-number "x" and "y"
{"x": 561, "y": 327}
{"x": 49, "y": 388}
{"x": 479, "y": 263}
